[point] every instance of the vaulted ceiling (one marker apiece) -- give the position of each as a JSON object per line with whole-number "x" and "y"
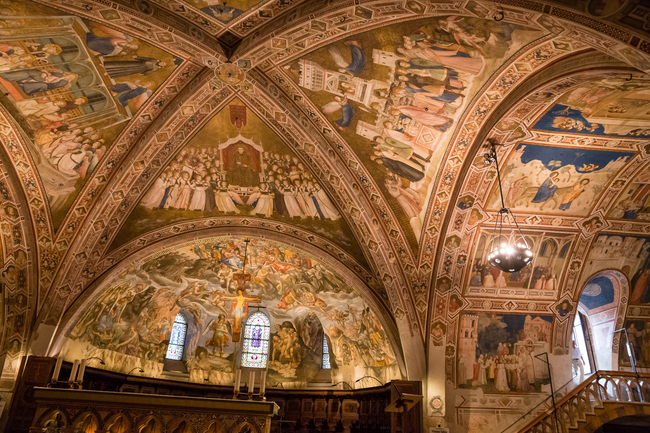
{"x": 356, "y": 128}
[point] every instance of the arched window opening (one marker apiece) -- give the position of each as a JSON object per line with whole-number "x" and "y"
{"x": 565, "y": 250}
{"x": 326, "y": 354}
{"x": 581, "y": 357}
{"x": 177, "y": 339}
{"x": 548, "y": 248}
{"x": 255, "y": 352}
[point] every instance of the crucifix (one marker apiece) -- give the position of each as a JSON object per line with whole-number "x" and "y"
{"x": 240, "y": 301}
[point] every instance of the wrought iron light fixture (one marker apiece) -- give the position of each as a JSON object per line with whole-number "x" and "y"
{"x": 509, "y": 250}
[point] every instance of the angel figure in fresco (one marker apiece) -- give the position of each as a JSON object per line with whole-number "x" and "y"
{"x": 239, "y": 310}
{"x": 450, "y": 26}
{"x": 356, "y": 65}
{"x": 340, "y": 103}
{"x": 221, "y": 332}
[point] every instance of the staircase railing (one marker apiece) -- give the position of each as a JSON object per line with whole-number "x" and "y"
{"x": 541, "y": 406}
{"x": 600, "y": 387}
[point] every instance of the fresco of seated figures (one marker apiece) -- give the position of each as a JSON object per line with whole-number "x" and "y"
{"x": 539, "y": 280}
{"x": 632, "y": 203}
{"x": 226, "y": 11}
{"x": 611, "y": 106}
{"x": 237, "y": 166}
{"x": 556, "y": 180}
{"x": 395, "y": 95}
{"x": 628, "y": 253}
{"x": 496, "y": 353}
{"x": 128, "y": 323}
{"x": 72, "y": 86}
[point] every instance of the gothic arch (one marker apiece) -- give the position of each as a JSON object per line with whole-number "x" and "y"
{"x": 149, "y": 424}
{"x": 212, "y": 426}
{"x": 620, "y": 284}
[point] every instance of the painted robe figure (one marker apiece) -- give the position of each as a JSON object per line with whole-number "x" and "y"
{"x": 240, "y": 173}
{"x": 220, "y": 335}
{"x": 347, "y": 113}
{"x": 155, "y": 195}
{"x": 357, "y": 63}
{"x": 547, "y": 189}
{"x": 569, "y": 197}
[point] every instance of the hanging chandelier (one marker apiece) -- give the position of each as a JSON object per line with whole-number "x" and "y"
{"x": 509, "y": 250}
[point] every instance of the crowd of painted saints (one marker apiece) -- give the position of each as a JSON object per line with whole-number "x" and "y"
{"x": 505, "y": 371}
{"x": 428, "y": 84}
{"x": 134, "y": 316}
{"x": 240, "y": 181}
{"x": 539, "y": 277}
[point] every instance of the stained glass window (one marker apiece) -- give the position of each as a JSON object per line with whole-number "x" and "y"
{"x": 326, "y": 354}
{"x": 255, "y": 352}
{"x": 177, "y": 339}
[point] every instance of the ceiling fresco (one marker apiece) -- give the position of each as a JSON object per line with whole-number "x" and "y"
{"x": 128, "y": 319}
{"x": 395, "y": 95}
{"x": 627, "y": 253}
{"x": 547, "y": 182}
{"x": 142, "y": 141}
{"x": 610, "y": 107}
{"x": 555, "y": 180}
{"x": 631, "y": 204}
{"x": 598, "y": 292}
{"x": 539, "y": 280}
{"x": 237, "y": 166}
{"x": 72, "y": 86}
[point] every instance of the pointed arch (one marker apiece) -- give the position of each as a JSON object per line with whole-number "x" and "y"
{"x": 326, "y": 365}
{"x": 54, "y": 420}
{"x": 245, "y": 427}
{"x": 605, "y": 311}
{"x": 212, "y": 426}
{"x": 180, "y": 425}
{"x": 150, "y": 424}
{"x": 118, "y": 423}
{"x": 86, "y": 422}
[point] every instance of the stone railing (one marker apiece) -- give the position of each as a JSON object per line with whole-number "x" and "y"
{"x": 582, "y": 401}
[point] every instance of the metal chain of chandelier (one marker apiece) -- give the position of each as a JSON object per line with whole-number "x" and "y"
{"x": 509, "y": 250}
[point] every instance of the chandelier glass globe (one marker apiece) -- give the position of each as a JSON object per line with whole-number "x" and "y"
{"x": 510, "y": 257}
